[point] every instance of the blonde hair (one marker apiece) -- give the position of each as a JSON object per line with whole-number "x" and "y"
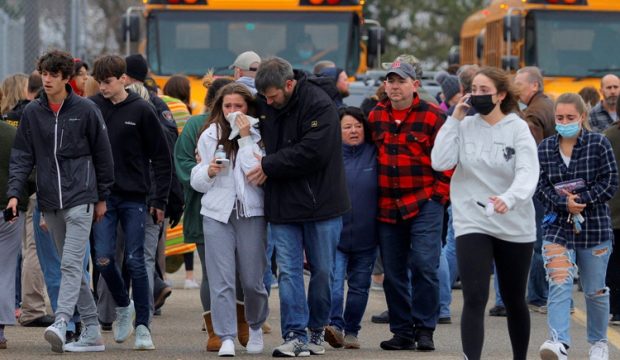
{"x": 13, "y": 90}
{"x": 139, "y": 89}
{"x": 92, "y": 87}
{"x": 580, "y": 106}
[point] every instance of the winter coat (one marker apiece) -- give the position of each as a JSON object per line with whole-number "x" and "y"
{"x": 70, "y": 150}
{"x": 304, "y": 156}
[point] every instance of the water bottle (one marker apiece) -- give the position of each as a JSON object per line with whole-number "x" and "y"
{"x": 220, "y": 153}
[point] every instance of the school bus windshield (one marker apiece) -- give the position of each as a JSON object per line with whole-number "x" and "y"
{"x": 573, "y": 43}
{"x": 193, "y": 42}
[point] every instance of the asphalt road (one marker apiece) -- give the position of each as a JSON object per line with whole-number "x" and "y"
{"x": 177, "y": 335}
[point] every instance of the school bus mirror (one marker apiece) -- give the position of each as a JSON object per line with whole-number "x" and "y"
{"x": 512, "y": 27}
{"x": 376, "y": 40}
{"x": 510, "y": 62}
{"x": 131, "y": 27}
{"x": 454, "y": 55}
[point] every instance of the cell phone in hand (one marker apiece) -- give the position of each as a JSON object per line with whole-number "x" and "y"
{"x": 223, "y": 162}
{"x": 8, "y": 214}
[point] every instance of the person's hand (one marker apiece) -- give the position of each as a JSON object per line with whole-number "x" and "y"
{"x": 197, "y": 155}
{"x": 43, "y": 224}
{"x": 12, "y": 204}
{"x": 100, "y": 210}
{"x": 571, "y": 203}
{"x": 462, "y": 107}
{"x": 214, "y": 168}
{"x": 243, "y": 124}
{"x": 158, "y": 215}
{"x": 499, "y": 205}
{"x": 257, "y": 176}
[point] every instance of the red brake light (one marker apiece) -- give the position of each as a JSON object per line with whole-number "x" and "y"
{"x": 333, "y": 2}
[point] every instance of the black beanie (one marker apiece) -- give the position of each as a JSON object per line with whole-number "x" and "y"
{"x": 136, "y": 67}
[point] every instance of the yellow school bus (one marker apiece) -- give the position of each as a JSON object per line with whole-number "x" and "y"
{"x": 191, "y": 36}
{"x": 573, "y": 42}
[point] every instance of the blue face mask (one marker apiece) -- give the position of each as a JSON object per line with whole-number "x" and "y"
{"x": 568, "y": 130}
{"x": 305, "y": 54}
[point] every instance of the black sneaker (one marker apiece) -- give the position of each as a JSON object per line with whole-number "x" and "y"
{"x": 398, "y": 343}
{"x": 498, "y": 311}
{"x": 105, "y": 326}
{"x": 383, "y": 318}
{"x": 444, "y": 320}
{"x": 424, "y": 340}
{"x": 43, "y": 321}
{"x": 615, "y": 320}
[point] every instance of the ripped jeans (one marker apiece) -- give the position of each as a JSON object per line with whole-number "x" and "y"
{"x": 561, "y": 266}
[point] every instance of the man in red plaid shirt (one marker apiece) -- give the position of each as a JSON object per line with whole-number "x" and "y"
{"x": 411, "y": 206}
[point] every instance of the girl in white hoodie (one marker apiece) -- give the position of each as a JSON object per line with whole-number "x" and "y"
{"x": 491, "y": 191}
{"x": 233, "y": 222}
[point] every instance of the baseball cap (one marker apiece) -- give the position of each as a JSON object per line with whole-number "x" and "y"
{"x": 245, "y": 60}
{"x": 409, "y": 59}
{"x": 402, "y": 69}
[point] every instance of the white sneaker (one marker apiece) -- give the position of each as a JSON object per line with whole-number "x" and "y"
{"x": 90, "y": 341}
{"x": 123, "y": 326}
{"x": 255, "y": 343}
{"x": 553, "y": 350}
{"x": 55, "y": 334}
{"x": 143, "y": 339}
{"x": 599, "y": 351}
{"x": 227, "y": 348}
{"x": 191, "y": 284}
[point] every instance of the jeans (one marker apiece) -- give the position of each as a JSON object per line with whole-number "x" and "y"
{"x": 498, "y": 295}
{"x": 448, "y": 271}
{"x": 132, "y": 219}
{"x": 319, "y": 240}
{"x": 268, "y": 276}
{"x": 537, "y": 286}
{"x": 50, "y": 264}
{"x": 356, "y": 268}
{"x": 592, "y": 264}
{"x": 413, "y": 245}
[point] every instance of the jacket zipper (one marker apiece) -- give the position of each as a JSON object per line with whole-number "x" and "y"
{"x": 87, "y": 172}
{"x": 55, "y": 156}
{"x": 311, "y": 193}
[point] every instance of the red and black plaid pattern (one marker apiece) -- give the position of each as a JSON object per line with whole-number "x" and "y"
{"x": 406, "y": 178}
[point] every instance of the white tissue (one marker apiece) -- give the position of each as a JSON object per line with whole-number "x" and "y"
{"x": 232, "y": 117}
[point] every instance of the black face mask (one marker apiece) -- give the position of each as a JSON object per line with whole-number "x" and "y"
{"x": 483, "y": 104}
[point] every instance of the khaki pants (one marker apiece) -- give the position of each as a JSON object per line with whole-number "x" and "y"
{"x": 33, "y": 284}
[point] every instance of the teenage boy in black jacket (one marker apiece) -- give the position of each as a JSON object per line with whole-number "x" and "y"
{"x": 137, "y": 140}
{"x": 64, "y": 136}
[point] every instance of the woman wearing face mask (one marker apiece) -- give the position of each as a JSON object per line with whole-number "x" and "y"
{"x": 578, "y": 175}
{"x": 491, "y": 191}
{"x": 233, "y": 222}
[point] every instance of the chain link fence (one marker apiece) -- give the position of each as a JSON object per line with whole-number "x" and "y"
{"x": 85, "y": 28}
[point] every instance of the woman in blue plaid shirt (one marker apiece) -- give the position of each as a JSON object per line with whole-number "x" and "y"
{"x": 578, "y": 175}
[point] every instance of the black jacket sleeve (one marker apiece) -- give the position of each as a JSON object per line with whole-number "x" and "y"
{"x": 101, "y": 152}
{"x": 22, "y": 159}
{"x": 320, "y": 134}
{"x": 157, "y": 151}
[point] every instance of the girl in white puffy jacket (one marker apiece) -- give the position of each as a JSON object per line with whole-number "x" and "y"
{"x": 233, "y": 221}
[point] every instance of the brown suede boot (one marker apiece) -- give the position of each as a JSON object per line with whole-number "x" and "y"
{"x": 243, "y": 329}
{"x": 213, "y": 342}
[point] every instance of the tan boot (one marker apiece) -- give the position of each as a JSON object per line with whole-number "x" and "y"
{"x": 243, "y": 329}
{"x": 213, "y": 342}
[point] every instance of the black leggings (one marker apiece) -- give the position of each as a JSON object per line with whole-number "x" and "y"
{"x": 475, "y": 254}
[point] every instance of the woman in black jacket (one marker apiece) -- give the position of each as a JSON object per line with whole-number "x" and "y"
{"x": 357, "y": 249}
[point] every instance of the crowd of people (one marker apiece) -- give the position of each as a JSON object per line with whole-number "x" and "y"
{"x": 278, "y": 165}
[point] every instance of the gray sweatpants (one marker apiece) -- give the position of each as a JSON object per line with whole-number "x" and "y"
{"x": 237, "y": 245}
{"x": 70, "y": 229}
{"x": 10, "y": 241}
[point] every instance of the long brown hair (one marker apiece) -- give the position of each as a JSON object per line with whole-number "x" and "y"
{"x": 217, "y": 115}
{"x": 501, "y": 80}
